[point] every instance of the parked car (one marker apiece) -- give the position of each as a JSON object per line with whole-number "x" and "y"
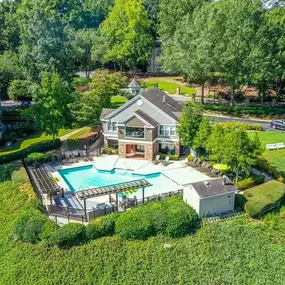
{"x": 25, "y": 104}
{"x": 278, "y": 124}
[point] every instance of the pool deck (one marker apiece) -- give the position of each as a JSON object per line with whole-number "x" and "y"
{"x": 177, "y": 171}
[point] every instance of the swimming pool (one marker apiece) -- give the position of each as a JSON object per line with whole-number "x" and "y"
{"x": 84, "y": 177}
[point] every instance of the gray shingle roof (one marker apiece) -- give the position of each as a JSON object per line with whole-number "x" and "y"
{"x": 134, "y": 84}
{"x": 213, "y": 187}
{"x": 164, "y": 102}
{"x": 105, "y": 112}
{"x": 147, "y": 118}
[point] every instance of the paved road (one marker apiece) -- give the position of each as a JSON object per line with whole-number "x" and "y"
{"x": 265, "y": 124}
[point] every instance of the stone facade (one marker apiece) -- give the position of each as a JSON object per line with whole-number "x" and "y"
{"x": 122, "y": 149}
{"x": 149, "y": 150}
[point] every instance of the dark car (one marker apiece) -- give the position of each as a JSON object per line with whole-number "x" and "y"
{"x": 25, "y": 104}
{"x": 278, "y": 124}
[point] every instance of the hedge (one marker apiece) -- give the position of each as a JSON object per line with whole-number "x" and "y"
{"x": 22, "y": 153}
{"x": 246, "y": 110}
{"x": 68, "y": 235}
{"x": 250, "y": 182}
{"x": 262, "y": 196}
{"x": 170, "y": 217}
{"x": 102, "y": 226}
{"x": 246, "y": 126}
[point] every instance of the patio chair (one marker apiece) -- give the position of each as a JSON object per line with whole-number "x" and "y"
{"x": 166, "y": 161}
{"x": 157, "y": 160}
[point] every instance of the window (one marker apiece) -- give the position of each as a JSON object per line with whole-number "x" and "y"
{"x": 167, "y": 148}
{"x": 134, "y": 132}
{"x": 112, "y": 126}
{"x": 167, "y": 130}
{"x": 109, "y": 126}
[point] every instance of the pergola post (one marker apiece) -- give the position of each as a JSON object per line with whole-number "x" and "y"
{"x": 85, "y": 210}
{"x": 50, "y": 197}
{"x": 62, "y": 192}
{"x": 117, "y": 199}
{"x": 143, "y": 195}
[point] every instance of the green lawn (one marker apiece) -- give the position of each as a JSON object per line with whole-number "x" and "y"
{"x": 169, "y": 87}
{"x": 72, "y": 140}
{"x": 229, "y": 253}
{"x": 275, "y": 157}
{"x": 31, "y": 140}
{"x": 118, "y": 101}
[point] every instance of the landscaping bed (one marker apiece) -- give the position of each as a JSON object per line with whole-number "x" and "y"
{"x": 262, "y": 197}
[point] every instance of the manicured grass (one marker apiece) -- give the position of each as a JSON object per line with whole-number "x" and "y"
{"x": 233, "y": 252}
{"x": 275, "y": 157}
{"x": 72, "y": 140}
{"x": 118, "y": 101}
{"x": 169, "y": 87}
{"x": 31, "y": 140}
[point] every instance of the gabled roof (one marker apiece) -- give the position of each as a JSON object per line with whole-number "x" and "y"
{"x": 134, "y": 84}
{"x": 105, "y": 112}
{"x": 141, "y": 116}
{"x": 156, "y": 97}
{"x": 164, "y": 102}
{"x": 214, "y": 187}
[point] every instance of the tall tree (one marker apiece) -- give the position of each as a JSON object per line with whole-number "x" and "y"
{"x": 83, "y": 42}
{"x": 189, "y": 123}
{"x": 128, "y": 29}
{"x": 193, "y": 47}
{"x": 202, "y": 135}
{"x": 235, "y": 32}
{"x": 52, "y": 104}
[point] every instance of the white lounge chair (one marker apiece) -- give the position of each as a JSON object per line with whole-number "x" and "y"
{"x": 166, "y": 161}
{"x": 157, "y": 159}
{"x": 271, "y": 146}
{"x": 280, "y": 145}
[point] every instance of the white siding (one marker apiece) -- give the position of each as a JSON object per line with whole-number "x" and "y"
{"x": 217, "y": 204}
{"x": 191, "y": 197}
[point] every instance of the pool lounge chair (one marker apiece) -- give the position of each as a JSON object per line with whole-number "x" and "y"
{"x": 157, "y": 160}
{"x": 166, "y": 161}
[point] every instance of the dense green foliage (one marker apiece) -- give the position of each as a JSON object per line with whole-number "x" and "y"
{"x": 210, "y": 257}
{"x": 171, "y": 217}
{"x": 36, "y": 147}
{"x": 68, "y": 235}
{"x": 262, "y": 196}
{"x": 250, "y": 182}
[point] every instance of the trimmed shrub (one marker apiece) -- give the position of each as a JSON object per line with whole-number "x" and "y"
{"x": 102, "y": 226}
{"x": 258, "y": 179}
{"x": 180, "y": 218}
{"x": 174, "y": 157}
{"x": 37, "y": 147}
{"x": 48, "y": 229}
{"x": 39, "y": 157}
{"x": 190, "y": 158}
{"x": 245, "y": 184}
{"x": 171, "y": 217}
{"x": 240, "y": 201}
{"x": 248, "y": 127}
{"x": 20, "y": 176}
{"x": 262, "y": 196}
{"x": 68, "y": 235}
{"x": 28, "y": 226}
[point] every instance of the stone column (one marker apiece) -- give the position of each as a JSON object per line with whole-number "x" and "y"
{"x": 122, "y": 150}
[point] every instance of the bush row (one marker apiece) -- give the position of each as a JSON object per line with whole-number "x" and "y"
{"x": 42, "y": 158}
{"x": 246, "y": 110}
{"x": 110, "y": 150}
{"x": 22, "y": 153}
{"x": 171, "y": 217}
{"x": 250, "y": 182}
{"x": 171, "y": 156}
{"x": 248, "y": 127}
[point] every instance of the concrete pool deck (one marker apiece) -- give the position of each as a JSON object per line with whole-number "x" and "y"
{"x": 175, "y": 174}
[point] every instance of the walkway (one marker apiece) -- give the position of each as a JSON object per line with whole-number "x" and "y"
{"x": 64, "y": 138}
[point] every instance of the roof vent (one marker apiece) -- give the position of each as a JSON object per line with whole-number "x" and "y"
{"x": 206, "y": 183}
{"x": 224, "y": 180}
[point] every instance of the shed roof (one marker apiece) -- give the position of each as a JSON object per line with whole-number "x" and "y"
{"x": 214, "y": 187}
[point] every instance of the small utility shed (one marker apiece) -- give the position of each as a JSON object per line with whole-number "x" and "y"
{"x": 210, "y": 197}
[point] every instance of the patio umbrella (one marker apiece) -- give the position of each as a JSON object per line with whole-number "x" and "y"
{"x": 221, "y": 167}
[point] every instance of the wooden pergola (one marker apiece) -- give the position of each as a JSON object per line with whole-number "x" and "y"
{"x": 44, "y": 181}
{"x": 113, "y": 189}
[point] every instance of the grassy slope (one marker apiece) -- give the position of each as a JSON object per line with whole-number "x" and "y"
{"x": 72, "y": 140}
{"x": 232, "y": 252}
{"x": 31, "y": 140}
{"x": 118, "y": 101}
{"x": 169, "y": 87}
{"x": 275, "y": 157}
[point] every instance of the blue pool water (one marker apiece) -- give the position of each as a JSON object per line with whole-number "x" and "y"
{"x": 81, "y": 178}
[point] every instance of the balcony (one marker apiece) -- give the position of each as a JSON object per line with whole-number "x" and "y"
{"x": 133, "y": 132}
